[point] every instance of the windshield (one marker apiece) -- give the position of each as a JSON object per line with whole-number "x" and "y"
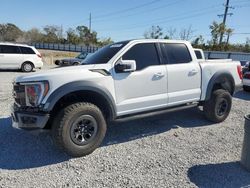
{"x": 82, "y": 55}
{"x": 103, "y": 55}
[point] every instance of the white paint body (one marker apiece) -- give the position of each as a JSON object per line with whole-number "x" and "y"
{"x": 15, "y": 61}
{"x": 151, "y": 88}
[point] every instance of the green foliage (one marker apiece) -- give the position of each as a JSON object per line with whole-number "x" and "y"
{"x": 155, "y": 32}
{"x": 33, "y": 35}
{"x": 9, "y": 32}
{"x": 51, "y": 34}
{"x": 105, "y": 42}
{"x": 72, "y": 37}
{"x": 86, "y": 36}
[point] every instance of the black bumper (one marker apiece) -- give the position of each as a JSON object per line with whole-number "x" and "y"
{"x": 28, "y": 120}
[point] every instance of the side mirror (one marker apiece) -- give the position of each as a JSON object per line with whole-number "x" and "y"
{"x": 125, "y": 66}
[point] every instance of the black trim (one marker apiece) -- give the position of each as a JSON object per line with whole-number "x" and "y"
{"x": 80, "y": 86}
{"x": 154, "y": 112}
{"x": 220, "y": 77}
{"x": 159, "y": 52}
{"x": 101, "y": 71}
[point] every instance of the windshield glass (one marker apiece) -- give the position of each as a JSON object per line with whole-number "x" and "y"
{"x": 103, "y": 55}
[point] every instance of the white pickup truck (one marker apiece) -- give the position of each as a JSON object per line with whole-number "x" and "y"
{"x": 121, "y": 80}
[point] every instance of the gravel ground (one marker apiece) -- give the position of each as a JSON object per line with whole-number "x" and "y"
{"x": 178, "y": 149}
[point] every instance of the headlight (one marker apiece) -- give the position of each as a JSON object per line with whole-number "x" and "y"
{"x": 35, "y": 92}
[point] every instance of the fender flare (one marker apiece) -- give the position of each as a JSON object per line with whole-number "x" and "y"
{"x": 220, "y": 77}
{"x": 80, "y": 86}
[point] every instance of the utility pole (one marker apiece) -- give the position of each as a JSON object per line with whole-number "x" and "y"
{"x": 225, "y": 18}
{"x": 90, "y": 22}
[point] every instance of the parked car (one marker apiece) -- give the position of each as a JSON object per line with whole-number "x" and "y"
{"x": 121, "y": 80}
{"x": 72, "y": 61}
{"x": 19, "y": 56}
{"x": 246, "y": 79}
{"x": 246, "y": 67}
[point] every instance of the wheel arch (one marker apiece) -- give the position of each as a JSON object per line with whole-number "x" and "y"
{"x": 220, "y": 80}
{"x": 27, "y": 61}
{"x": 80, "y": 91}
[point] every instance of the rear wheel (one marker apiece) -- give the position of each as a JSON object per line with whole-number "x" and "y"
{"x": 218, "y": 107}
{"x": 27, "y": 67}
{"x": 79, "y": 129}
{"x": 76, "y": 63}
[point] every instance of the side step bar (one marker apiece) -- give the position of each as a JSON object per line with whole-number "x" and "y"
{"x": 155, "y": 112}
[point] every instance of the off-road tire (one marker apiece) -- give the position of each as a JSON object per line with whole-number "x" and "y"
{"x": 62, "y": 127}
{"x": 212, "y": 107}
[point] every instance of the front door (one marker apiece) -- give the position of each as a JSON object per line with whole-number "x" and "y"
{"x": 144, "y": 89}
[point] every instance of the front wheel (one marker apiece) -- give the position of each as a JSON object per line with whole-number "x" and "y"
{"x": 79, "y": 129}
{"x": 218, "y": 107}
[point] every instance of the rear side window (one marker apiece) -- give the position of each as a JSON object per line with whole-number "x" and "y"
{"x": 198, "y": 54}
{"x": 7, "y": 49}
{"x": 144, "y": 54}
{"x": 175, "y": 53}
{"x": 26, "y": 50}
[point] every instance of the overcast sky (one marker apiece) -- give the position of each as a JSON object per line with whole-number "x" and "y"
{"x": 127, "y": 19}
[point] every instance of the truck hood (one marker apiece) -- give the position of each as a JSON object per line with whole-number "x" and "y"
{"x": 81, "y": 71}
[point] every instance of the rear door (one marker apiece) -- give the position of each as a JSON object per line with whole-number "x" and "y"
{"x": 28, "y": 54}
{"x": 10, "y": 56}
{"x": 144, "y": 89}
{"x": 184, "y": 74}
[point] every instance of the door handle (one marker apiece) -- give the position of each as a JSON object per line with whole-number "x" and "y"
{"x": 159, "y": 74}
{"x": 193, "y": 72}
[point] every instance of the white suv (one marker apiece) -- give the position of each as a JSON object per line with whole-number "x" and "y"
{"x": 18, "y": 56}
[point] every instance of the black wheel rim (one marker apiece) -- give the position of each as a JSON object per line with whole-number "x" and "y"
{"x": 222, "y": 107}
{"x": 83, "y": 130}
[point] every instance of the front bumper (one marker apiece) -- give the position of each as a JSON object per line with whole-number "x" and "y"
{"x": 28, "y": 120}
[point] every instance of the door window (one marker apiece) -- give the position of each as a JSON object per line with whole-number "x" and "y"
{"x": 7, "y": 49}
{"x": 145, "y": 55}
{"x": 175, "y": 53}
{"x": 26, "y": 50}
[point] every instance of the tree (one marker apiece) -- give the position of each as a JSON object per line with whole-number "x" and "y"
{"x": 72, "y": 37}
{"x": 214, "y": 32}
{"x": 171, "y": 33}
{"x": 229, "y": 33}
{"x": 186, "y": 33}
{"x": 86, "y": 36}
{"x": 105, "y": 41}
{"x": 33, "y": 35}
{"x": 155, "y": 32}
{"x": 52, "y": 33}
{"x": 199, "y": 42}
{"x": 9, "y": 32}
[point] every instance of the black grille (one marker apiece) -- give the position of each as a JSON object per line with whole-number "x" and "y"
{"x": 19, "y": 94}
